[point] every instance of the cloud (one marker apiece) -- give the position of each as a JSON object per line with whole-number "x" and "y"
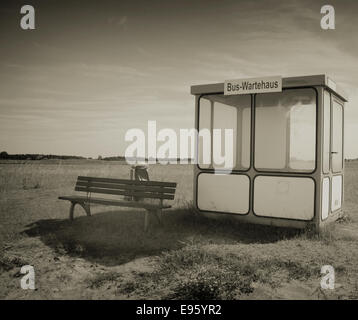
{"x": 118, "y": 21}
{"x": 93, "y": 74}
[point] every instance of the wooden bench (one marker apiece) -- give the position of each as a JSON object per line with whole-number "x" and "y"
{"x": 149, "y": 195}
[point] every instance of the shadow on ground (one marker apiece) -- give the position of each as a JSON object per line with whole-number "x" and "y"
{"x": 117, "y": 237}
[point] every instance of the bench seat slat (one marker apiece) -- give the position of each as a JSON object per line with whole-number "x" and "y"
{"x": 131, "y": 182}
{"x": 111, "y": 202}
{"x": 124, "y": 187}
{"x": 126, "y": 193}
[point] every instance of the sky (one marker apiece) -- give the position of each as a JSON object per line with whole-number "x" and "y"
{"x": 91, "y": 70}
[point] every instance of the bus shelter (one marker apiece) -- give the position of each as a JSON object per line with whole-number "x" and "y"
{"x": 288, "y": 164}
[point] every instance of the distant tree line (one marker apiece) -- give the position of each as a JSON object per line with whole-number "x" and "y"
{"x": 28, "y": 156}
{"x": 114, "y": 158}
{"x": 36, "y": 156}
{"x": 122, "y": 158}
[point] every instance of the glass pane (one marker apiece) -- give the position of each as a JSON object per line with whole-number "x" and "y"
{"x": 204, "y": 139}
{"x": 326, "y": 130}
{"x": 229, "y": 112}
{"x": 245, "y": 134}
{"x": 302, "y": 137}
{"x": 337, "y": 115}
{"x": 225, "y": 117}
{"x": 285, "y": 130}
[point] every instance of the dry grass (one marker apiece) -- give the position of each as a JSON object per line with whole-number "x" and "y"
{"x": 190, "y": 257}
{"x": 29, "y": 190}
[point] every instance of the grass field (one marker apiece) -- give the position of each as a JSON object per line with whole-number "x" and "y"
{"x": 108, "y": 256}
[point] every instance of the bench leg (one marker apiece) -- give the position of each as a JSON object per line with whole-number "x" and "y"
{"x": 72, "y": 208}
{"x": 146, "y": 220}
{"x": 85, "y": 206}
{"x": 158, "y": 214}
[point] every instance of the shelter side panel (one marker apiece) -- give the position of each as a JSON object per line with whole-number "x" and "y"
{"x": 229, "y": 193}
{"x": 284, "y": 197}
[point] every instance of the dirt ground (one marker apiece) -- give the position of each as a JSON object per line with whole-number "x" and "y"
{"x": 108, "y": 256}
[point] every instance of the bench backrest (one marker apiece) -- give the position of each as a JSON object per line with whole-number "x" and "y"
{"x": 125, "y": 187}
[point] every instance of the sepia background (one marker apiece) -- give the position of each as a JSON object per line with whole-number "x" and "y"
{"x": 90, "y": 71}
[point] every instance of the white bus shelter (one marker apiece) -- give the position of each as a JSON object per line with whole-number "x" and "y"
{"x": 288, "y": 153}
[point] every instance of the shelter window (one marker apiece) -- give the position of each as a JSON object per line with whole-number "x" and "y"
{"x": 224, "y": 112}
{"x": 326, "y": 130}
{"x": 337, "y": 136}
{"x": 285, "y": 131}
